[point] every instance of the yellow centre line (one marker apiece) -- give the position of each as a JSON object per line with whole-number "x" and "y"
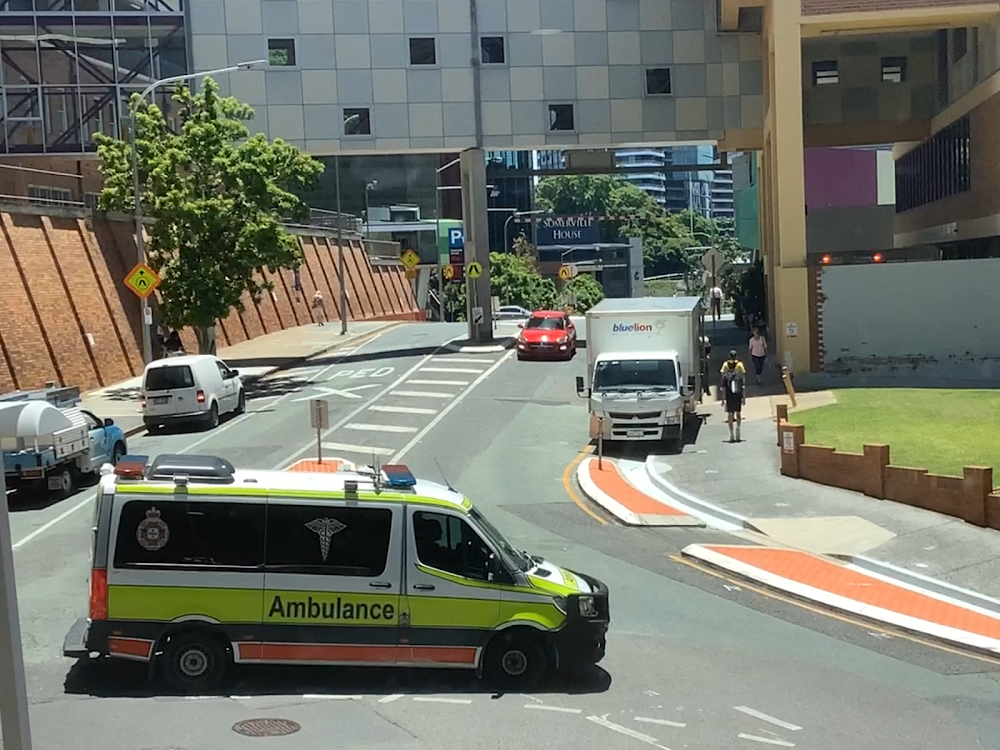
{"x": 567, "y": 480}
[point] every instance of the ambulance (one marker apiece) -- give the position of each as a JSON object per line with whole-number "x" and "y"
{"x": 198, "y": 566}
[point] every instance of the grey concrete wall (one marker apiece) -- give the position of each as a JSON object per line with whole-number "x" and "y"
{"x": 923, "y": 319}
{"x": 861, "y": 95}
{"x": 593, "y": 54}
{"x": 850, "y": 229}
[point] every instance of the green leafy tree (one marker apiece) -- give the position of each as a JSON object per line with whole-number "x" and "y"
{"x": 218, "y": 197}
{"x": 515, "y": 280}
{"x": 586, "y": 290}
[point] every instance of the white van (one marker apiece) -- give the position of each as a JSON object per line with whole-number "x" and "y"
{"x": 191, "y": 388}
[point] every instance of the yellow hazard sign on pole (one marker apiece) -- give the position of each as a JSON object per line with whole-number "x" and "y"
{"x": 474, "y": 270}
{"x": 448, "y": 271}
{"x": 142, "y": 280}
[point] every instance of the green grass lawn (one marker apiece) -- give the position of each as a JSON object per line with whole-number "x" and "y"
{"x": 661, "y": 288}
{"x": 934, "y": 429}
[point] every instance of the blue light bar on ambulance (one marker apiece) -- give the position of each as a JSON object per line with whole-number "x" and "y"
{"x": 398, "y": 475}
{"x": 131, "y": 466}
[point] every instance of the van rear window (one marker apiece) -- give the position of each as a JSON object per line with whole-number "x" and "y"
{"x": 169, "y": 377}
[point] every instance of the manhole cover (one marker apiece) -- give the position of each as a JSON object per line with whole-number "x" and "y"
{"x": 266, "y": 727}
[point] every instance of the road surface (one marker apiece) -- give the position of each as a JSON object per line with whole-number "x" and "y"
{"x": 694, "y": 661}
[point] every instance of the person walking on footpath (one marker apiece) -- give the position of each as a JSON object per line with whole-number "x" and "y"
{"x": 716, "y": 299}
{"x": 758, "y": 353}
{"x": 732, "y": 385}
{"x": 319, "y": 307}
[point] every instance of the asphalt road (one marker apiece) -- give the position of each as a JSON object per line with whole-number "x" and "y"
{"x": 694, "y": 661}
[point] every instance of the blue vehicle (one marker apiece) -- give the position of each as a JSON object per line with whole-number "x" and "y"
{"x": 48, "y": 442}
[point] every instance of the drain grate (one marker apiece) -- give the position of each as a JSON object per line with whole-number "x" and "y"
{"x": 266, "y": 727}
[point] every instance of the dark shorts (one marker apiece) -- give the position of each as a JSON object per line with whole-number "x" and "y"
{"x": 758, "y": 364}
{"x": 734, "y": 402}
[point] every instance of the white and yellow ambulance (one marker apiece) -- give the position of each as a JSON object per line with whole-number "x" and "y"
{"x": 197, "y": 565}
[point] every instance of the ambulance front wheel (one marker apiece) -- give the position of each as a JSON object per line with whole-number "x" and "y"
{"x": 515, "y": 660}
{"x": 194, "y": 662}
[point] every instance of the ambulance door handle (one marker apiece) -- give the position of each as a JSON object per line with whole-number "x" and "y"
{"x": 423, "y": 587}
{"x": 380, "y": 585}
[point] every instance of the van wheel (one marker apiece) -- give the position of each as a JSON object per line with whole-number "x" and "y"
{"x": 241, "y": 403}
{"x": 194, "y": 662}
{"x": 213, "y": 417}
{"x": 514, "y": 660}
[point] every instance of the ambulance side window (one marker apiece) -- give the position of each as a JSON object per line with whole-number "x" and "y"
{"x": 190, "y": 535}
{"x": 325, "y": 540}
{"x": 448, "y": 543}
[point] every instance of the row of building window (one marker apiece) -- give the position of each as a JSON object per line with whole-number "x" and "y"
{"x": 827, "y": 72}
{"x": 938, "y": 168}
{"x": 47, "y": 195}
{"x": 423, "y": 53}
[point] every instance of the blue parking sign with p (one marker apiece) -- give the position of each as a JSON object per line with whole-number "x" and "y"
{"x": 456, "y": 238}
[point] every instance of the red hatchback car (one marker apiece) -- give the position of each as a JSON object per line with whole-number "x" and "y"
{"x": 547, "y": 334}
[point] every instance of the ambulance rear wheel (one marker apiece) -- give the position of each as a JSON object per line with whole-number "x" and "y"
{"x": 194, "y": 662}
{"x": 515, "y": 660}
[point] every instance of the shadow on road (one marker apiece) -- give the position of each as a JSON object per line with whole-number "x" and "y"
{"x": 105, "y": 678}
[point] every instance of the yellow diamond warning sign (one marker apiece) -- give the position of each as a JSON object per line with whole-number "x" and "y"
{"x": 410, "y": 260}
{"x": 142, "y": 280}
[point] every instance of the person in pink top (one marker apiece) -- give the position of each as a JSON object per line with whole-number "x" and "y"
{"x": 758, "y": 353}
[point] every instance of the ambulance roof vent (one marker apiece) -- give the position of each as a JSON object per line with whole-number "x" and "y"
{"x": 193, "y": 468}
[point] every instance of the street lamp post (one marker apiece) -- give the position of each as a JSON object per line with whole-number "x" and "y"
{"x": 517, "y": 215}
{"x": 140, "y": 242}
{"x": 368, "y": 219}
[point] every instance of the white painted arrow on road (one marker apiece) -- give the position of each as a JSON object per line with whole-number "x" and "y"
{"x": 345, "y": 392}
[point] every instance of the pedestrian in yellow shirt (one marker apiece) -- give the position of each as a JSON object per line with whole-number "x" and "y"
{"x": 732, "y": 386}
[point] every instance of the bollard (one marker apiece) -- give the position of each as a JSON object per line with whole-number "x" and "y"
{"x": 600, "y": 443}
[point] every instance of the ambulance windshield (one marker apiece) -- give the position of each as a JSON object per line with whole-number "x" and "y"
{"x": 491, "y": 532}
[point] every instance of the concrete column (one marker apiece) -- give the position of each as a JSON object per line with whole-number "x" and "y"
{"x": 784, "y": 159}
{"x": 477, "y": 242}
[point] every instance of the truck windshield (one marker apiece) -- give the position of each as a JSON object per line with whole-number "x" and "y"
{"x": 635, "y": 375}
{"x": 493, "y": 534}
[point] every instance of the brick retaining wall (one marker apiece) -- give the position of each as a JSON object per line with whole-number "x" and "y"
{"x": 970, "y": 497}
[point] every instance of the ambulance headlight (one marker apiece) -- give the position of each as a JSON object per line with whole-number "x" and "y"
{"x": 560, "y": 602}
{"x": 588, "y": 608}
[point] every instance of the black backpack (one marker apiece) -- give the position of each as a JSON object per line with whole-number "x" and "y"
{"x": 730, "y": 377}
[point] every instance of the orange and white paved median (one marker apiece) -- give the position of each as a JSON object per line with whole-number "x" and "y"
{"x": 843, "y": 587}
{"x": 604, "y": 484}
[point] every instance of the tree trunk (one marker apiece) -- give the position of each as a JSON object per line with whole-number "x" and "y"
{"x": 206, "y": 339}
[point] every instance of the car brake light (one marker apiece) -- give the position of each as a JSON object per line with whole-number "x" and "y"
{"x": 98, "y": 594}
{"x": 201, "y": 397}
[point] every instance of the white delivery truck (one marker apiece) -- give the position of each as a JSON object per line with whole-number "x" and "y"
{"x": 647, "y": 364}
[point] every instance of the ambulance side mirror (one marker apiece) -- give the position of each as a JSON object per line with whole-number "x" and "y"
{"x": 492, "y": 568}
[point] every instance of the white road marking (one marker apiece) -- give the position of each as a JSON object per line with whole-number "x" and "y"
{"x": 444, "y": 412}
{"x": 765, "y": 740}
{"x": 323, "y": 392}
{"x": 661, "y": 722}
{"x": 402, "y": 409}
{"x": 764, "y": 717}
{"x": 456, "y": 701}
{"x": 348, "y": 448}
{"x": 424, "y": 394}
{"x": 390, "y": 698}
{"x": 341, "y": 354}
{"x": 379, "y": 427}
{"x": 557, "y": 709}
{"x": 437, "y": 382}
{"x": 468, "y": 370}
{"x": 46, "y": 526}
{"x": 466, "y": 360}
{"x": 601, "y": 721}
{"x": 320, "y": 696}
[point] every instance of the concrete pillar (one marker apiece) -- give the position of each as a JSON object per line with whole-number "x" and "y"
{"x": 784, "y": 160}
{"x": 477, "y": 243}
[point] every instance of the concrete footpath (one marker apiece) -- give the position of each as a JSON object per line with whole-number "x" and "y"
{"x": 254, "y": 359}
{"x": 904, "y": 566}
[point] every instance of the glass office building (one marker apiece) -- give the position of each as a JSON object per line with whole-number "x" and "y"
{"x": 70, "y": 66}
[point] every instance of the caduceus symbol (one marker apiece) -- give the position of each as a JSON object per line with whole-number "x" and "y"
{"x": 325, "y": 528}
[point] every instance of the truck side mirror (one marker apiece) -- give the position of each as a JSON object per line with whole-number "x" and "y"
{"x": 687, "y": 390}
{"x": 580, "y": 387}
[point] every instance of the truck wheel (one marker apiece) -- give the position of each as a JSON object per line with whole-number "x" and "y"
{"x": 514, "y": 661}
{"x": 213, "y": 417}
{"x": 65, "y": 477}
{"x": 194, "y": 662}
{"x": 241, "y": 404}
